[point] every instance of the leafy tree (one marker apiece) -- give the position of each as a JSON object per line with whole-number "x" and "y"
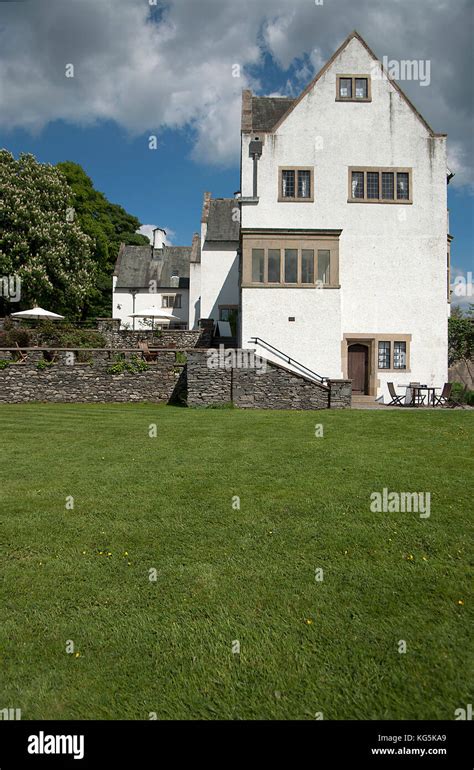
{"x": 50, "y": 255}
{"x": 108, "y": 225}
{"x": 461, "y": 337}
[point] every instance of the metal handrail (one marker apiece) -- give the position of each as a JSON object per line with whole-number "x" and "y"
{"x": 259, "y": 340}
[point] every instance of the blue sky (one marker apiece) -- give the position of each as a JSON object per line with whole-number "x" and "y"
{"x": 162, "y": 187}
{"x": 142, "y": 70}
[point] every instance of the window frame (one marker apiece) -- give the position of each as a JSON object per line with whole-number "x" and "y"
{"x": 353, "y": 97}
{"x": 226, "y": 307}
{"x": 176, "y": 298}
{"x": 391, "y": 340}
{"x": 399, "y": 368}
{"x": 380, "y": 170}
{"x": 389, "y": 343}
{"x": 296, "y": 170}
{"x": 300, "y": 242}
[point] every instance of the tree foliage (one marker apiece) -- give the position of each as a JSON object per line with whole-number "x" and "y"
{"x": 51, "y": 256}
{"x": 461, "y": 337}
{"x": 108, "y": 225}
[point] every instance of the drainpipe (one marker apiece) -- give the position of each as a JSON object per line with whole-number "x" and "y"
{"x": 134, "y": 293}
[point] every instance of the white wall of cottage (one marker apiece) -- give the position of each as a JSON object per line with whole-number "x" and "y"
{"x": 144, "y": 300}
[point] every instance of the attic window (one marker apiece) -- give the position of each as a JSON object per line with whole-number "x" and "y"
{"x": 353, "y": 88}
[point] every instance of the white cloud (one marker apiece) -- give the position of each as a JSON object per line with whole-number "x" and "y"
{"x": 177, "y": 71}
{"x": 148, "y": 231}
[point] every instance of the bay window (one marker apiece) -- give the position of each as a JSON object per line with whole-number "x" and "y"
{"x": 305, "y": 260}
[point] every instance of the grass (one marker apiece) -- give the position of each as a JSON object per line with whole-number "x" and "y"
{"x": 226, "y": 575}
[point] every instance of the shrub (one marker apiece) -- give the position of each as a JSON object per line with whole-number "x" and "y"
{"x": 4, "y": 363}
{"x": 61, "y": 335}
{"x": 133, "y": 366}
{"x": 11, "y": 336}
{"x": 461, "y": 394}
{"x": 43, "y": 364}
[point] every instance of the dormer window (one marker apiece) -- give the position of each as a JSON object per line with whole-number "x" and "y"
{"x": 353, "y": 88}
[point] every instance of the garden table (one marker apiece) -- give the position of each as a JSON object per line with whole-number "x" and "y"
{"x": 416, "y": 394}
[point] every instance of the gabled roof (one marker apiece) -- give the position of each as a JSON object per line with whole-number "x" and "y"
{"x": 136, "y": 266}
{"x": 222, "y": 223}
{"x": 248, "y": 99}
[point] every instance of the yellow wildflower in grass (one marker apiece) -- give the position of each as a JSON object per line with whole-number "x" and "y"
{"x": 309, "y": 622}
{"x": 461, "y": 602}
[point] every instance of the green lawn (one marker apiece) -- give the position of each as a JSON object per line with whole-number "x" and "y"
{"x": 223, "y": 574}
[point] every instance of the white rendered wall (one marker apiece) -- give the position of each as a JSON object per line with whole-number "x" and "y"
{"x": 312, "y": 337}
{"x": 219, "y": 278}
{"x": 146, "y": 299}
{"x": 194, "y": 295}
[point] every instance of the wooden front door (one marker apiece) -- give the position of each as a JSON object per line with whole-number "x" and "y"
{"x": 358, "y": 368}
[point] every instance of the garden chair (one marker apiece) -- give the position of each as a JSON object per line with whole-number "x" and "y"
{"x": 147, "y": 354}
{"x": 22, "y": 354}
{"x": 443, "y": 398}
{"x": 396, "y": 400}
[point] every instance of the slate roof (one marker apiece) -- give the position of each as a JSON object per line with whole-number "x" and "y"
{"x": 222, "y": 223}
{"x": 267, "y": 111}
{"x": 135, "y": 266}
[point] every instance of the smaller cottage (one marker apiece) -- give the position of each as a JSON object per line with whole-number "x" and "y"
{"x": 156, "y": 278}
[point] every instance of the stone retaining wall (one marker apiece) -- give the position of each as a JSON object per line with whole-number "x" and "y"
{"x": 274, "y": 388}
{"x": 90, "y": 382}
{"x": 70, "y": 378}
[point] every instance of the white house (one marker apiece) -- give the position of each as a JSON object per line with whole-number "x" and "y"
{"x": 152, "y": 280}
{"x": 342, "y": 259}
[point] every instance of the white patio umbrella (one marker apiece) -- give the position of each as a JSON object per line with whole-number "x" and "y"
{"x": 155, "y": 314}
{"x": 37, "y": 313}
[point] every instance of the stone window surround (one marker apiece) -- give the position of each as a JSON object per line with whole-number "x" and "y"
{"x": 296, "y": 169}
{"x": 380, "y": 170}
{"x": 372, "y": 342}
{"x": 353, "y": 98}
{"x": 324, "y": 241}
